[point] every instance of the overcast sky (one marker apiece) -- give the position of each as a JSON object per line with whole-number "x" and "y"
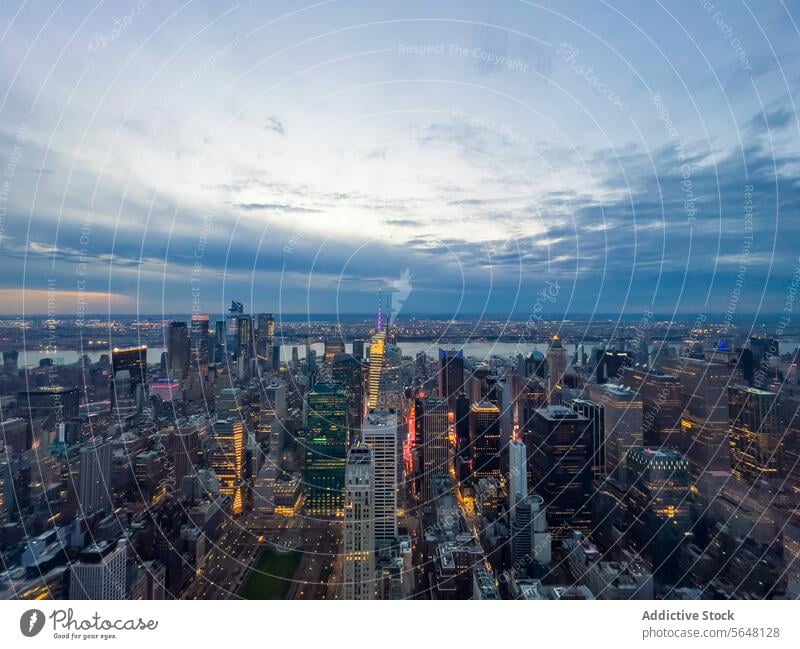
{"x": 296, "y": 156}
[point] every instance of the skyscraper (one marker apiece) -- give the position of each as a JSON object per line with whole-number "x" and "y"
{"x": 530, "y": 540}
{"x": 705, "y": 420}
{"x": 560, "y": 454}
{"x": 377, "y": 349}
{"x": 595, "y": 413}
{"x": 178, "y": 349}
{"x": 517, "y": 473}
{"x": 183, "y": 446}
{"x": 265, "y": 334}
{"x": 622, "y": 415}
{"x": 228, "y": 459}
{"x": 380, "y": 435}
{"x": 359, "y": 533}
{"x": 100, "y": 572}
{"x": 756, "y": 434}
{"x": 432, "y": 438}
{"x": 232, "y": 335}
{"x": 200, "y": 345}
{"x": 326, "y": 449}
{"x": 609, "y": 364}
{"x": 556, "y": 367}
{"x": 134, "y": 361}
{"x": 95, "y": 476}
{"x": 348, "y": 373}
{"x": 658, "y": 504}
{"x": 63, "y": 403}
{"x": 484, "y": 437}
{"x": 662, "y": 406}
{"x": 451, "y": 374}
{"x": 333, "y": 347}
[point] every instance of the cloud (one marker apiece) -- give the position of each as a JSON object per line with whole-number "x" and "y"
{"x": 280, "y": 207}
{"x": 774, "y": 120}
{"x": 275, "y": 125}
{"x": 15, "y": 301}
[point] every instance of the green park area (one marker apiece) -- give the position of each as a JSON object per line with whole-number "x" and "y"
{"x": 271, "y": 576}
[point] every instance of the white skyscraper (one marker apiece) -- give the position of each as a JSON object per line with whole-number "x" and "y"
{"x": 517, "y": 473}
{"x": 100, "y": 572}
{"x": 380, "y": 434}
{"x": 530, "y": 539}
{"x": 359, "y": 534}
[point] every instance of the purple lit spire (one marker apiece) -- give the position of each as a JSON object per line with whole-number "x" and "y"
{"x": 380, "y": 312}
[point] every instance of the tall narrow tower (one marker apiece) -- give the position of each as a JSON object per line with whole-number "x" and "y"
{"x": 380, "y": 309}
{"x": 359, "y": 536}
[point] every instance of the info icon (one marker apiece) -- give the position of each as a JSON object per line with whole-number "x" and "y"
{"x": 31, "y": 623}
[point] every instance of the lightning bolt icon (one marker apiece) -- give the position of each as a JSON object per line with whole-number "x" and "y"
{"x": 32, "y": 621}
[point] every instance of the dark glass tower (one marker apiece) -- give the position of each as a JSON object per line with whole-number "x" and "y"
{"x": 560, "y": 453}
{"x": 451, "y": 374}
{"x": 178, "y": 349}
{"x": 484, "y": 435}
{"x": 326, "y": 450}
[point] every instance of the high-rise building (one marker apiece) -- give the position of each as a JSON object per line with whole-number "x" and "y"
{"x": 451, "y": 374}
{"x": 178, "y": 349}
{"x": 532, "y": 396}
{"x": 95, "y": 476}
{"x": 218, "y": 343}
{"x": 662, "y": 406}
{"x": 63, "y": 403}
{"x": 183, "y": 447}
{"x": 484, "y": 436}
{"x": 333, "y": 346}
{"x": 622, "y": 421}
{"x": 530, "y": 540}
{"x": 608, "y": 364}
{"x": 132, "y": 360}
{"x": 594, "y": 412}
{"x": 535, "y": 365}
{"x": 560, "y": 454}
{"x": 232, "y": 335}
{"x": 227, "y": 458}
{"x": 15, "y": 433}
{"x": 556, "y": 368}
{"x": 658, "y": 503}
{"x": 756, "y": 434}
{"x": 265, "y": 335}
{"x": 200, "y": 345}
{"x": 359, "y": 533}
{"x": 276, "y": 357}
{"x": 517, "y": 473}
{"x": 230, "y": 404}
{"x": 100, "y": 572}
{"x": 348, "y": 373}
{"x": 390, "y": 389}
{"x": 705, "y": 421}
{"x": 432, "y": 438}
{"x": 377, "y": 350}
{"x": 381, "y": 436}
{"x": 247, "y": 344}
{"x": 326, "y": 449}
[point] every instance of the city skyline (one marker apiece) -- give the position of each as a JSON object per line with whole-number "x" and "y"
{"x": 363, "y": 300}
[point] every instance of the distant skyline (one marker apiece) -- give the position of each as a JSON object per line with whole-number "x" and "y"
{"x": 161, "y": 158}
